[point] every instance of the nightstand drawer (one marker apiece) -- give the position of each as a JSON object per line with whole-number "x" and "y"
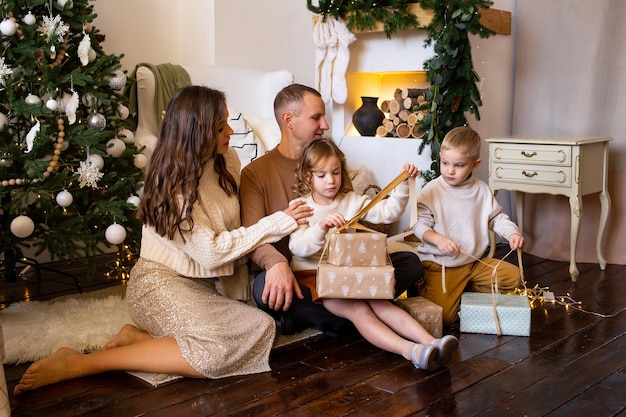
{"x": 537, "y": 175}
{"x": 560, "y": 155}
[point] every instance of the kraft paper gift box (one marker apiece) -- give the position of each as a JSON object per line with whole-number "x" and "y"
{"x": 477, "y": 314}
{"x": 360, "y": 282}
{"x": 427, "y": 313}
{"x": 357, "y": 249}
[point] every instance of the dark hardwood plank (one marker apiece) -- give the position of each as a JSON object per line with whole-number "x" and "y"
{"x": 572, "y": 364}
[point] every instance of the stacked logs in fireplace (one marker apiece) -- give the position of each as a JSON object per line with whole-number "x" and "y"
{"x": 403, "y": 114}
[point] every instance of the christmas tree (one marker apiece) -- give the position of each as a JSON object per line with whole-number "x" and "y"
{"x": 69, "y": 171}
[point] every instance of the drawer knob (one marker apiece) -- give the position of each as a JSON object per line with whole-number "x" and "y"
{"x": 529, "y": 154}
{"x": 529, "y": 174}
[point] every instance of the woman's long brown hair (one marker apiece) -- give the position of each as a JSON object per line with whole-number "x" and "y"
{"x": 187, "y": 141}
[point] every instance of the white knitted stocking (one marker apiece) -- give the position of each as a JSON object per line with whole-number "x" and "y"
{"x": 320, "y": 50}
{"x": 330, "y": 36}
{"x": 344, "y": 38}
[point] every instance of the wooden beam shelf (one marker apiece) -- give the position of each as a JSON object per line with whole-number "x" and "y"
{"x": 497, "y": 20}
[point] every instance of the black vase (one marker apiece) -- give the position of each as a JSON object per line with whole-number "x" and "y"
{"x": 368, "y": 117}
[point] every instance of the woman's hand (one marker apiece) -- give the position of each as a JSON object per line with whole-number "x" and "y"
{"x": 299, "y": 211}
{"x": 332, "y": 220}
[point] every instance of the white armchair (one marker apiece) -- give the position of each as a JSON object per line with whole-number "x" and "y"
{"x": 250, "y": 93}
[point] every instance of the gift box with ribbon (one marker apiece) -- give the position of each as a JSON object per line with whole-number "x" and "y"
{"x": 495, "y": 314}
{"x": 361, "y": 282}
{"x": 427, "y": 313}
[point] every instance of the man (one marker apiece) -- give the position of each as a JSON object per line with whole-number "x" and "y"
{"x": 266, "y": 187}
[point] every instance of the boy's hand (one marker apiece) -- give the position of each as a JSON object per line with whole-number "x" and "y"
{"x": 516, "y": 241}
{"x": 411, "y": 170}
{"x": 447, "y": 246}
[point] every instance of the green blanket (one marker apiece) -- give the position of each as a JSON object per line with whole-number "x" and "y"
{"x": 168, "y": 78}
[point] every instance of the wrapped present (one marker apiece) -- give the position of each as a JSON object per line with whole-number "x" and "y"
{"x": 360, "y": 282}
{"x": 356, "y": 249}
{"x": 429, "y": 314}
{"x": 477, "y": 314}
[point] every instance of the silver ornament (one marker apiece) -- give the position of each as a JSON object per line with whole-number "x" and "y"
{"x": 89, "y": 100}
{"x": 96, "y": 121}
{"x": 118, "y": 80}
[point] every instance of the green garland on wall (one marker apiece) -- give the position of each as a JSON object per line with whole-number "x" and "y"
{"x": 450, "y": 71}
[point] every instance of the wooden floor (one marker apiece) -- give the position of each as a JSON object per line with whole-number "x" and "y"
{"x": 573, "y": 364}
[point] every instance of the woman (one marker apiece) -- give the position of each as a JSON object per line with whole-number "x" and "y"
{"x": 191, "y": 238}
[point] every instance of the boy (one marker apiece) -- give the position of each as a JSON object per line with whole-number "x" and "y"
{"x": 455, "y": 213}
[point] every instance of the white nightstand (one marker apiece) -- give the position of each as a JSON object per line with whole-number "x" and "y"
{"x": 569, "y": 166}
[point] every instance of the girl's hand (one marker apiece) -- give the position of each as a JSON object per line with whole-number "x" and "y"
{"x": 516, "y": 241}
{"x": 411, "y": 169}
{"x": 299, "y": 211}
{"x": 332, "y": 220}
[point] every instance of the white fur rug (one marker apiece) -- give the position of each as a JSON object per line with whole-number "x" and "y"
{"x": 85, "y": 322}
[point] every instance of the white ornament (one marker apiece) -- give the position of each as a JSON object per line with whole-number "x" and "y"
{"x": 62, "y": 3}
{"x": 123, "y": 112}
{"x": 22, "y": 226}
{"x": 63, "y": 101}
{"x": 5, "y": 71}
{"x": 92, "y": 55}
{"x": 71, "y": 107}
{"x": 31, "y": 135}
{"x": 53, "y": 27}
{"x": 8, "y": 27}
{"x": 96, "y": 159}
{"x": 52, "y": 104}
{"x": 65, "y": 198}
{"x": 140, "y": 160}
{"x": 89, "y": 173}
{"x": 32, "y": 99}
{"x": 126, "y": 135}
{"x": 29, "y": 19}
{"x": 83, "y": 50}
{"x": 115, "y": 234}
{"x": 133, "y": 200}
{"x": 115, "y": 147}
{"x": 4, "y": 121}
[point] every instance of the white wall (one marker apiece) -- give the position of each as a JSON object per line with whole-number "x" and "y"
{"x": 266, "y": 35}
{"x": 277, "y": 34}
{"x": 157, "y": 31}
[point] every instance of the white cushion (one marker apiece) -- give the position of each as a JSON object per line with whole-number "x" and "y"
{"x": 249, "y": 91}
{"x": 244, "y": 139}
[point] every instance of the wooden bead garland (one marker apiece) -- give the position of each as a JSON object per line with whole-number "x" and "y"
{"x": 53, "y": 165}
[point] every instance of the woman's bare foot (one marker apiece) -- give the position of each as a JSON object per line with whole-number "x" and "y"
{"x": 127, "y": 335}
{"x": 57, "y": 367}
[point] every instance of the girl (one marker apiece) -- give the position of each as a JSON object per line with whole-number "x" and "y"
{"x": 191, "y": 237}
{"x": 321, "y": 177}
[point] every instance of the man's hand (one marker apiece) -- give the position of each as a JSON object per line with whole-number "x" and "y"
{"x": 280, "y": 285}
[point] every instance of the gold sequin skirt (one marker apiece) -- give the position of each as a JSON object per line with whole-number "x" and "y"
{"x": 217, "y": 336}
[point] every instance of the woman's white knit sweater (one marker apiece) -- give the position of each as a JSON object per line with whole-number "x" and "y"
{"x": 217, "y": 242}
